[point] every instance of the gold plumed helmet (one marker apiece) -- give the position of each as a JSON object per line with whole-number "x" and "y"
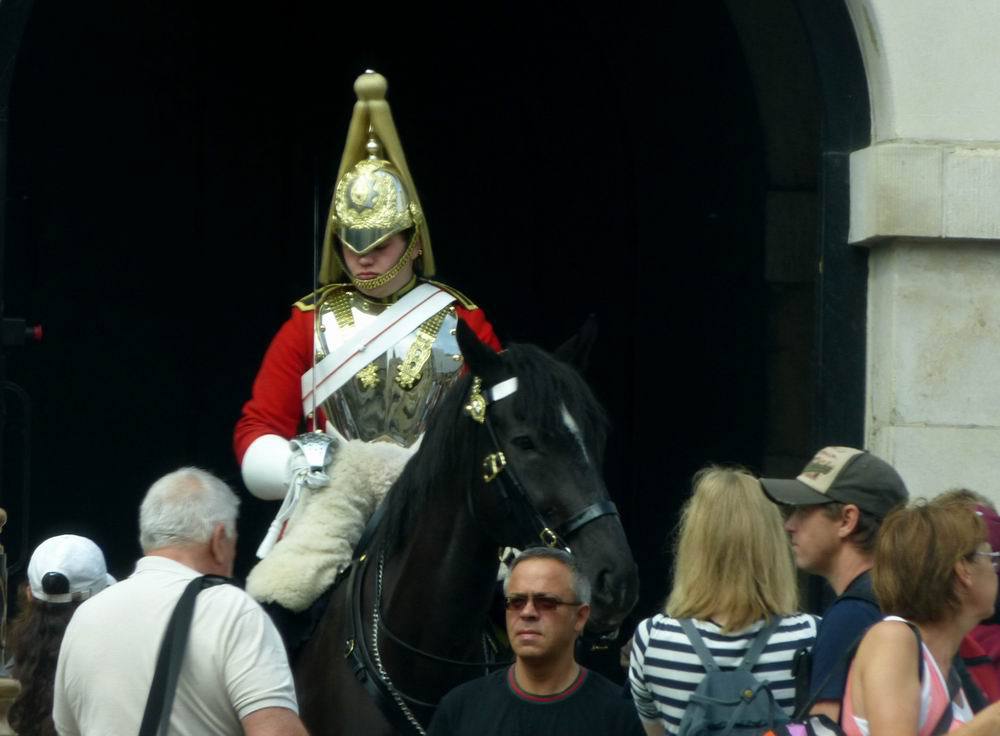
{"x": 375, "y": 197}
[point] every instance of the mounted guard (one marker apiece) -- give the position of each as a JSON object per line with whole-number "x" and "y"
{"x": 345, "y": 389}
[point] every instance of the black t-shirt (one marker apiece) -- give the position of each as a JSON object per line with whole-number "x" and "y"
{"x": 494, "y": 704}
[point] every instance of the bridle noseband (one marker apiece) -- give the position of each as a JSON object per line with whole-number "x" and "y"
{"x": 531, "y": 524}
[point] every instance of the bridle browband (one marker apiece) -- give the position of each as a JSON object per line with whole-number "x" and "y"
{"x": 530, "y": 525}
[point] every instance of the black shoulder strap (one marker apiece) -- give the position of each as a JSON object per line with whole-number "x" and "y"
{"x": 156, "y": 718}
{"x": 973, "y": 692}
{"x": 954, "y": 685}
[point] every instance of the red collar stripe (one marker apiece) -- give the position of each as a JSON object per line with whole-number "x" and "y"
{"x": 555, "y": 698}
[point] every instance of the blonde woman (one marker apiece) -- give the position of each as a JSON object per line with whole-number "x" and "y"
{"x": 733, "y": 575}
{"x": 936, "y": 573}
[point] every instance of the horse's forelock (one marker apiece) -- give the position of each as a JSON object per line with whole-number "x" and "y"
{"x": 547, "y": 387}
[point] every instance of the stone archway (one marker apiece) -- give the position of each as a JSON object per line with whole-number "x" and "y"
{"x": 812, "y": 98}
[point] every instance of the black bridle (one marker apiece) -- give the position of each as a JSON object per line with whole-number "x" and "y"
{"x": 528, "y": 526}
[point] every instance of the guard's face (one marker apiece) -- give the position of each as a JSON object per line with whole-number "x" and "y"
{"x": 376, "y": 262}
{"x": 539, "y": 630}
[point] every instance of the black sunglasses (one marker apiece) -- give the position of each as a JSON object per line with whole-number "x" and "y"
{"x": 541, "y": 602}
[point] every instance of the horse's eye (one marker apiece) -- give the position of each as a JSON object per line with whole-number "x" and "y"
{"x": 523, "y": 442}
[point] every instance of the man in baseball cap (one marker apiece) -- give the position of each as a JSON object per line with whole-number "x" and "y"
{"x": 833, "y": 510}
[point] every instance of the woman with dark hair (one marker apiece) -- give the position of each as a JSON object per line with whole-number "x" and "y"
{"x": 63, "y": 572}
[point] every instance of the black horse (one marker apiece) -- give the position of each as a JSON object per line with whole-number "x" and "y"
{"x": 504, "y": 462}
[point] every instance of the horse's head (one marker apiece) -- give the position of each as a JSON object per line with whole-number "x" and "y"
{"x": 541, "y": 434}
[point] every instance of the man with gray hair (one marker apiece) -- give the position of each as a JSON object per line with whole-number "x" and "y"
{"x": 234, "y": 677}
{"x": 545, "y": 690}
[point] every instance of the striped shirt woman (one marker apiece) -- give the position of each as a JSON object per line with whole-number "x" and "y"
{"x": 665, "y": 669}
{"x": 733, "y": 570}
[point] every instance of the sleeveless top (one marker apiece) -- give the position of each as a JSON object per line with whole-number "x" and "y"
{"x": 933, "y": 700}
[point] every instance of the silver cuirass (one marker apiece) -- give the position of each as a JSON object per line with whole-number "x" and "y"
{"x": 391, "y": 398}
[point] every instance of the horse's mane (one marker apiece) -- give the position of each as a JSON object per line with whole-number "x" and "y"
{"x": 545, "y": 384}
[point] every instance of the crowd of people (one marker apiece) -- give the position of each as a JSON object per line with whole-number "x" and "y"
{"x": 907, "y": 645}
{"x": 363, "y": 360}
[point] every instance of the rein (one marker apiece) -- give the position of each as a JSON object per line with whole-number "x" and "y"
{"x": 376, "y": 611}
{"x": 366, "y": 660}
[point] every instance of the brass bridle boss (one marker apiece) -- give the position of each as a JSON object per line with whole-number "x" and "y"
{"x": 495, "y": 462}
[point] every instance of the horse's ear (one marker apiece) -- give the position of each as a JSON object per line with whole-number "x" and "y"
{"x": 576, "y": 350}
{"x": 480, "y": 358}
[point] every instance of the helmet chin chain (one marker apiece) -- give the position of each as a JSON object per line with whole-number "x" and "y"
{"x": 379, "y": 281}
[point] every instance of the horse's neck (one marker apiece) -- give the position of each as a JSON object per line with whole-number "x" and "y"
{"x": 443, "y": 578}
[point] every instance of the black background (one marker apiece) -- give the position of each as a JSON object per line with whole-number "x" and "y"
{"x": 163, "y": 159}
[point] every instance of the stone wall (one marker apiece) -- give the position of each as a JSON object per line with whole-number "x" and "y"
{"x": 925, "y": 198}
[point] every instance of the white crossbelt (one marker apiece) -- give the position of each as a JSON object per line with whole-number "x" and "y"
{"x": 371, "y": 341}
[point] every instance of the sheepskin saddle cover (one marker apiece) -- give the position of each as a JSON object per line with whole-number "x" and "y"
{"x": 322, "y": 532}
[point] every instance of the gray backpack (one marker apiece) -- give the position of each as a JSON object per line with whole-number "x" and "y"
{"x": 731, "y": 702}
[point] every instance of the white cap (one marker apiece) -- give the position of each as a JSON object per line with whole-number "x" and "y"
{"x": 67, "y": 568}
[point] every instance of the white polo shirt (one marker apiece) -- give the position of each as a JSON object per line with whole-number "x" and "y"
{"x": 234, "y": 663}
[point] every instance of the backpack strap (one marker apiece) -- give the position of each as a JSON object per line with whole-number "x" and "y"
{"x": 759, "y": 642}
{"x": 749, "y": 659}
{"x": 687, "y": 625}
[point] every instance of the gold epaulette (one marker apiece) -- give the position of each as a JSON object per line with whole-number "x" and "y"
{"x": 462, "y": 298}
{"x": 309, "y": 301}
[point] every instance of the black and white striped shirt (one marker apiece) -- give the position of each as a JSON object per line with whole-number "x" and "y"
{"x": 665, "y": 669}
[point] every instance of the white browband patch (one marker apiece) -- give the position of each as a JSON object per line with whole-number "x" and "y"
{"x": 502, "y": 390}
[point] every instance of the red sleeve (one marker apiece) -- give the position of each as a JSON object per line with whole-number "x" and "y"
{"x": 275, "y": 406}
{"x": 475, "y": 319}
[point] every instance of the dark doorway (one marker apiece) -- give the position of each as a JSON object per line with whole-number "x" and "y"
{"x": 163, "y": 162}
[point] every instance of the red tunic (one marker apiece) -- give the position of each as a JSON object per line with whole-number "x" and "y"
{"x": 276, "y": 404}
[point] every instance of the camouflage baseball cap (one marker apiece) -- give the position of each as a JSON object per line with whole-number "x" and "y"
{"x": 842, "y": 475}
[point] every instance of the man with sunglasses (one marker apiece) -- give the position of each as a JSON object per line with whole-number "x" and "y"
{"x": 545, "y": 690}
{"x": 833, "y": 510}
